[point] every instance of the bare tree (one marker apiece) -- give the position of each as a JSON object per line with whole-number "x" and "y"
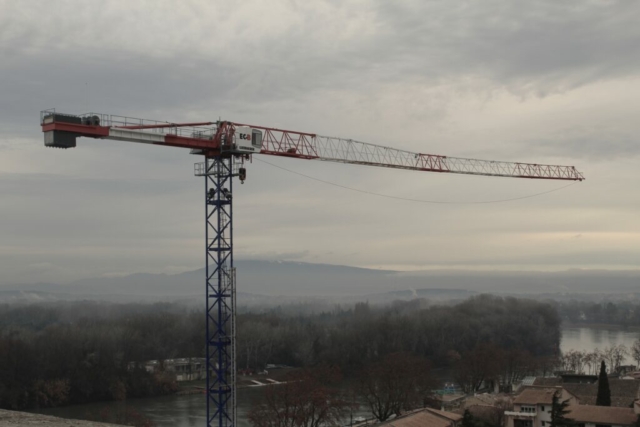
{"x": 614, "y": 356}
{"x": 398, "y": 382}
{"x": 635, "y": 351}
{"x": 620, "y": 352}
{"x": 574, "y": 360}
{"x": 476, "y": 367}
{"x": 513, "y": 366}
{"x": 307, "y": 399}
{"x": 591, "y": 360}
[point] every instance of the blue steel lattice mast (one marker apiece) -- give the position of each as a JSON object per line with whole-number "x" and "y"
{"x": 220, "y": 291}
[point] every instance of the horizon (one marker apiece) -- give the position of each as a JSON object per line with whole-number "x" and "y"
{"x": 404, "y": 273}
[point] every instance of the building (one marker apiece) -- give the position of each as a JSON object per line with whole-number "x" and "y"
{"x": 623, "y": 392}
{"x": 425, "y": 418}
{"x": 184, "y": 369}
{"x": 532, "y": 407}
{"x": 600, "y": 416}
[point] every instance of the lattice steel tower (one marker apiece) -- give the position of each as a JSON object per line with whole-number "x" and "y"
{"x": 218, "y": 173}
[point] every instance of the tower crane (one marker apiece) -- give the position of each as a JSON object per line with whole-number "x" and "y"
{"x": 225, "y": 147}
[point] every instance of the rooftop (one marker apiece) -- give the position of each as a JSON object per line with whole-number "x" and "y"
{"x": 623, "y": 392}
{"x": 424, "y": 418}
{"x": 536, "y": 395}
{"x": 15, "y": 419}
{"x": 602, "y": 415}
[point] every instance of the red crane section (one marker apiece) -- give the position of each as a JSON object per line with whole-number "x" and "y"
{"x": 219, "y": 138}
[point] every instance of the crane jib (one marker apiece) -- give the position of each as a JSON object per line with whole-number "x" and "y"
{"x": 227, "y": 138}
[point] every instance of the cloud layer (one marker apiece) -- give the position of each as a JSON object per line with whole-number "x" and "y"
{"x": 542, "y": 81}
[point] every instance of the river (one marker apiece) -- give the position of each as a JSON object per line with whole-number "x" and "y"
{"x": 189, "y": 410}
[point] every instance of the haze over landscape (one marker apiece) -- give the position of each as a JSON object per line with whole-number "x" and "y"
{"x": 393, "y": 294}
{"x": 272, "y": 283}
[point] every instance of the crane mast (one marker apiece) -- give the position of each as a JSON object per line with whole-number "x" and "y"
{"x": 225, "y": 146}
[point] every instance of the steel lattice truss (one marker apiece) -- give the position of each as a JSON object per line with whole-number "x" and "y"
{"x": 209, "y": 138}
{"x": 333, "y": 149}
{"x": 221, "y": 294}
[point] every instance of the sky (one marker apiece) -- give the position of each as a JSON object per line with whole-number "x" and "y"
{"x": 540, "y": 82}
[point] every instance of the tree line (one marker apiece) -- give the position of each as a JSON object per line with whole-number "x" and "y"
{"x": 588, "y": 362}
{"x": 357, "y": 336}
{"x": 55, "y": 354}
{"x": 623, "y": 313}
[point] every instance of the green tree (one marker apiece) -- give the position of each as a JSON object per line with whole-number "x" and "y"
{"x": 604, "y": 393}
{"x": 559, "y": 410}
{"x": 467, "y": 419}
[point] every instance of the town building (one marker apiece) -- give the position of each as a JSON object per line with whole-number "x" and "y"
{"x": 532, "y": 407}
{"x": 425, "y": 418}
{"x": 624, "y": 392}
{"x": 598, "y": 416}
{"x": 184, "y": 369}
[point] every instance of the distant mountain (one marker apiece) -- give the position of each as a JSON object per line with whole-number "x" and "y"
{"x": 274, "y": 282}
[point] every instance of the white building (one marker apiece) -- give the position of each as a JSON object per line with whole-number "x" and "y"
{"x": 532, "y": 407}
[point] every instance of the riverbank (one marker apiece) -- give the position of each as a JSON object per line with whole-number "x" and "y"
{"x": 14, "y": 419}
{"x": 273, "y": 377}
{"x": 601, "y": 326}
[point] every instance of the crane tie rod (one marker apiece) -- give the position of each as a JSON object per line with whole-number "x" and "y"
{"x": 439, "y": 202}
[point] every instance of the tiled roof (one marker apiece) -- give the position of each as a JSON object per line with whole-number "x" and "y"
{"x": 602, "y": 415}
{"x": 477, "y": 400}
{"x": 623, "y": 392}
{"x": 485, "y": 412}
{"x": 424, "y": 418}
{"x": 536, "y": 396}
{"x": 448, "y": 415}
{"x": 548, "y": 381}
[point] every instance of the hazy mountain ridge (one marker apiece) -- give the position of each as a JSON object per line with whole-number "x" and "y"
{"x": 274, "y": 282}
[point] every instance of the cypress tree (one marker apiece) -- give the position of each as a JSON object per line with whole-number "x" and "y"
{"x": 468, "y": 419}
{"x": 604, "y": 393}
{"x": 559, "y": 411}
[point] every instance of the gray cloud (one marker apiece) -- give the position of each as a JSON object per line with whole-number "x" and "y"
{"x": 594, "y": 145}
{"x": 536, "y": 81}
{"x": 537, "y": 48}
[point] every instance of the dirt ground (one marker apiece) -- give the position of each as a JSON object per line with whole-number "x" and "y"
{"x": 273, "y": 377}
{"x": 13, "y": 419}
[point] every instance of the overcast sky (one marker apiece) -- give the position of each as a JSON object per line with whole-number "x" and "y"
{"x": 543, "y": 82}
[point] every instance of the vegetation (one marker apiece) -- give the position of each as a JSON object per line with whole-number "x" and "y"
{"x": 623, "y": 313}
{"x": 604, "y": 393}
{"x": 588, "y": 362}
{"x": 55, "y": 354}
{"x": 559, "y": 411}
{"x": 355, "y": 337}
{"x": 309, "y": 398}
{"x": 469, "y": 420}
{"x": 395, "y": 384}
